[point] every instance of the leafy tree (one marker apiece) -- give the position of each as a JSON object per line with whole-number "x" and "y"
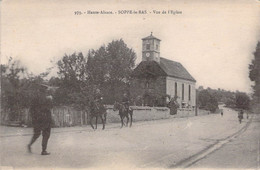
{"x": 17, "y": 87}
{"x": 207, "y": 101}
{"x": 212, "y": 103}
{"x": 242, "y": 100}
{"x": 109, "y": 69}
{"x": 55, "y": 81}
{"x": 72, "y": 78}
{"x": 72, "y": 70}
{"x": 121, "y": 61}
{"x": 203, "y": 98}
{"x": 12, "y": 97}
{"x": 97, "y": 68}
{"x": 230, "y": 102}
{"x": 254, "y": 73}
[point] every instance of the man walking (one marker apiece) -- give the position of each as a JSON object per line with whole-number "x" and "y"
{"x": 240, "y": 115}
{"x": 41, "y": 118}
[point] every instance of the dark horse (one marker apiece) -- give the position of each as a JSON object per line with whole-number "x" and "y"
{"x": 123, "y": 113}
{"x": 97, "y": 110}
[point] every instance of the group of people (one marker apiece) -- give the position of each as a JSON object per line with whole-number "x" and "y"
{"x": 41, "y": 106}
{"x": 40, "y": 110}
{"x": 98, "y": 99}
{"x": 241, "y": 115}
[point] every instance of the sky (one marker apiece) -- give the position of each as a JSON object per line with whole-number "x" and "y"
{"x": 214, "y": 41}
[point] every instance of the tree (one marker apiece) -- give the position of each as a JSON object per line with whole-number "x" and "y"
{"x": 72, "y": 70}
{"x": 72, "y": 79}
{"x": 12, "y": 97}
{"x": 106, "y": 69}
{"x": 109, "y": 69}
{"x": 207, "y": 101}
{"x": 254, "y": 73}
{"x": 121, "y": 61}
{"x": 242, "y": 100}
{"x": 97, "y": 68}
{"x": 17, "y": 87}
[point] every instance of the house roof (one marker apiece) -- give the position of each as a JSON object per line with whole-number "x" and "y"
{"x": 175, "y": 69}
{"x": 165, "y": 68}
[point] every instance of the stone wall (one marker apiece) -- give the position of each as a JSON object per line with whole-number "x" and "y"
{"x": 152, "y": 113}
{"x": 141, "y": 114}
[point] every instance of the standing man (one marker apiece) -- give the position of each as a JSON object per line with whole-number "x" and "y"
{"x": 240, "y": 115}
{"x": 173, "y": 105}
{"x": 41, "y": 117}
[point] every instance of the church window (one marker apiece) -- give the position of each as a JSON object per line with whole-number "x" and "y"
{"x": 182, "y": 91}
{"x": 175, "y": 89}
{"x": 157, "y": 46}
{"x": 189, "y": 92}
{"x": 147, "y": 84}
{"x": 148, "y": 46}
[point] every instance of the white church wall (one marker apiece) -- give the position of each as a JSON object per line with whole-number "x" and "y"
{"x": 170, "y": 90}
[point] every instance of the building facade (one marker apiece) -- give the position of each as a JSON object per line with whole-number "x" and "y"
{"x": 156, "y": 79}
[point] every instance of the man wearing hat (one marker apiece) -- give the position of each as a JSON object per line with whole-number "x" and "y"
{"x": 40, "y": 110}
{"x": 125, "y": 101}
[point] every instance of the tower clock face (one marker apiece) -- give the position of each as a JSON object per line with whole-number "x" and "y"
{"x": 147, "y": 54}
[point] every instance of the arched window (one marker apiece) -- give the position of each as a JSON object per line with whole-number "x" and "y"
{"x": 147, "y": 46}
{"x": 175, "y": 89}
{"x": 182, "y": 92}
{"x": 147, "y": 84}
{"x": 189, "y": 93}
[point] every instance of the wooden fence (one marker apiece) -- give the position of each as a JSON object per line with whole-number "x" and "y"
{"x": 61, "y": 116}
{"x": 64, "y": 116}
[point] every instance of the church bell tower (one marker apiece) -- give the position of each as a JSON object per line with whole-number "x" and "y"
{"x": 151, "y": 49}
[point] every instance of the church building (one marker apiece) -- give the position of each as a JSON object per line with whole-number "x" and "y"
{"x": 156, "y": 79}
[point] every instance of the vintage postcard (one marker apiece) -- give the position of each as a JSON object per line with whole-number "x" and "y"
{"x": 123, "y": 84}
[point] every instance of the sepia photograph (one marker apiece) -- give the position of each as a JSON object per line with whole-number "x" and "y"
{"x": 119, "y": 84}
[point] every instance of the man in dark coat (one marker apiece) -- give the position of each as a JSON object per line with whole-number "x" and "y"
{"x": 125, "y": 101}
{"x": 41, "y": 118}
{"x": 98, "y": 99}
{"x": 173, "y": 105}
{"x": 240, "y": 115}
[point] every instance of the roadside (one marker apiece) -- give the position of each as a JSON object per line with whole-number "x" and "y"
{"x": 149, "y": 144}
{"x": 9, "y": 131}
{"x": 241, "y": 152}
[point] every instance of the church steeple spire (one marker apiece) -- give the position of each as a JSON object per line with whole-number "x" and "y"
{"x": 151, "y": 49}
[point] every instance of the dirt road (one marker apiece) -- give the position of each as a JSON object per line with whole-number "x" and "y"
{"x": 152, "y": 144}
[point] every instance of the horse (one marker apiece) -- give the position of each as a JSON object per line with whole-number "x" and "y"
{"x": 98, "y": 110}
{"x": 123, "y": 112}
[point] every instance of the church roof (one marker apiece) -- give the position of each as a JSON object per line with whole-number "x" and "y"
{"x": 148, "y": 67}
{"x": 150, "y": 37}
{"x": 175, "y": 69}
{"x": 165, "y": 68}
